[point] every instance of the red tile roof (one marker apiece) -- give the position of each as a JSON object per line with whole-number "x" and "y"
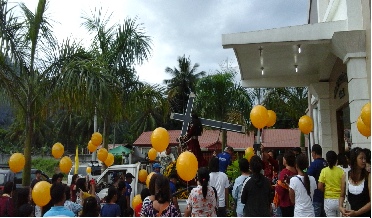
{"x": 273, "y": 138}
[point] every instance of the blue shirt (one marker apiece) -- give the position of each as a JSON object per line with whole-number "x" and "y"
{"x": 129, "y": 189}
{"x": 224, "y": 161}
{"x": 59, "y": 211}
{"x": 314, "y": 170}
{"x": 110, "y": 210}
{"x": 172, "y": 187}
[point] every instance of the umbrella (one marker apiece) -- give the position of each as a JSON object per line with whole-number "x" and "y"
{"x": 119, "y": 150}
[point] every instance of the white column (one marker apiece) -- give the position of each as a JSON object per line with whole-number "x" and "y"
{"x": 358, "y": 96}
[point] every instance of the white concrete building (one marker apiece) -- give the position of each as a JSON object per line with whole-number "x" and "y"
{"x": 331, "y": 55}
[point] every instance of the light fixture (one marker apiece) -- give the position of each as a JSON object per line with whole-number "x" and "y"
{"x": 299, "y": 48}
{"x": 296, "y": 68}
{"x": 262, "y": 70}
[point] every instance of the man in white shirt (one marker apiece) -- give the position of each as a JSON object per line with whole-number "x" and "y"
{"x": 165, "y": 158}
{"x": 220, "y": 182}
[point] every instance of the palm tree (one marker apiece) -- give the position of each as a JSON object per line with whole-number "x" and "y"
{"x": 29, "y": 57}
{"x": 183, "y": 82}
{"x": 218, "y": 97}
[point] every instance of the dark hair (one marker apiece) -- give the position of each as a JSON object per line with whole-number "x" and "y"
{"x": 112, "y": 191}
{"x": 37, "y": 172}
{"x": 55, "y": 192}
{"x": 80, "y": 184}
{"x": 367, "y": 152}
{"x": 90, "y": 207}
{"x": 203, "y": 178}
{"x": 279, "y": 158}
{"x": 354, "y": 153}
{"x": 229, "y": 148}
{"x": 54, "y": 178}
{"x": 74, "y": 178}
{"x": 244, "y": 165}
{"x": 214, "y": 164}
{"x": 255, "y": 164}
{"x": 331, "y": 158}
{"x": 121, "y": 186}
{"x": 8, "y": 187}
{"x": 162, "y": 189}
{"x": 145, "y": 193}
{"x": 317, "y": 149}
{"x": 198, "y": 126}
{"x": 25, "y": 210}
{"x": 290, "y": 158}
{"x": 342, "y": 160}
{"x": 302, "y": 163}
{"x": 173, "y": 176}
{"x": 22, "y": 196}
{"x": 152, "y": 184}
{"x": 67, "y": 192}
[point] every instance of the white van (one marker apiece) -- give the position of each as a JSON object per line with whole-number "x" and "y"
{"x": 82, "y": 171}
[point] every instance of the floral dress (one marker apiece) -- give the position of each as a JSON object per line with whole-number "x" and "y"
{"x": 149, "y": 211}
{"x": 202, "y": 207}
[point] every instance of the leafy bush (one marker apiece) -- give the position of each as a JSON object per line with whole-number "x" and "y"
{"x": 48, "y": 165}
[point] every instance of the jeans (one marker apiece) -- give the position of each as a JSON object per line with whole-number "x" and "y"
{"x": 319, "y": 209}
{"x": 331, "y": 207}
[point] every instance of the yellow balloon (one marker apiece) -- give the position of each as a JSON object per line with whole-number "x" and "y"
{"x": 366, "y": 114}
{"x": 305, "y": 123}
{"x": 91, "y": 147}
{"x": 109, "y": 160}
{"x": 152, "y": 154}
{"x": 41, "y": 193}
{"x": 89, "y": 170}
{"x": 102, "y": 154}
{"x": 17, "y": 162}
{"x": 65, "y": 164}
{"x": 187, "y": 166}
{"x": 259, "y": 116}
{"x": 249, "y": 152}
{"x": 142, "y": 175}
{"x": 362, "y": 128}
{"x": 58, "y": 150}
{"x": 148, "y": 179}
{"x": 160, "y": 139}
{"x": 272, "y": 118}
{"x": 96, "y": 138}
{"x": 136, "y": 201}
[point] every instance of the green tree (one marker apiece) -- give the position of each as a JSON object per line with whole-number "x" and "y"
{"x": 183, "y": 82}
{"x": 219, "y": 97}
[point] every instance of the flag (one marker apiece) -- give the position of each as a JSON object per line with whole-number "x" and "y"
{"x": 77, "y": 160}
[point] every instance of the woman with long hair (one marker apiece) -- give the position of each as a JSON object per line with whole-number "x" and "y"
{"x": 330, "y": 183}
{"x": 301, "y": 189}
{"x": 90, "y": 208}
{"x": 73, "y": 187}
{"x": 147, "y": 203}
{"x": 111, "y": 209}
{"x": 359, "y": 186}
{"x": 202, "y": 200}
{"x": 282, "y": 186}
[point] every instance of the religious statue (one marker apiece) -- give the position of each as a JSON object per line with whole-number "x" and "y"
{"x": 190, "y": 139}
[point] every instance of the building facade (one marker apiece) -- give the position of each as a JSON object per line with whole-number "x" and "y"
{"x": 330, "y": 55}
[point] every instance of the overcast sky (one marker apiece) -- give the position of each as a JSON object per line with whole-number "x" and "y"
{"x": 179, "y": 27}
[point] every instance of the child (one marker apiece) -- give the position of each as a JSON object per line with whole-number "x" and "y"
{"x": 144, "y": 193}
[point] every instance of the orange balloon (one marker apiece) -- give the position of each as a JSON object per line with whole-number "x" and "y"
{"x": 17, "y": 162}
{"x": 148, "y": 179}
{"x": 109, "y": 160}
{"x": 102, "y": 154}
{"x": 152, "y": 154}
{"x": 58, "y": 150}
{"x": 65, "y": 164}
{"x": 142, "y": 175}
{"x": 41, "y": 193}
{"x": 305, "y": 123}
{"x": 259, "y": 116}
{"x": 160, "y": 139}
{"x": 92, "y": 148}
{"x": 249, "y": 152}
{"x": 96, "y": 138}
{"x": 362, "y": 128}
{"x": 88, "y": 170}
{"x": 136, "y": 201}
{"x": 187, "y": 166}
{"x": 272, "y": 118}
{"x": 365, "y": 114}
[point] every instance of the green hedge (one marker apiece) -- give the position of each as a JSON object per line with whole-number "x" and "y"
{"x": 48, "y": 165}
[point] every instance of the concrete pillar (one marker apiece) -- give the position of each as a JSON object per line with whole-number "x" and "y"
{"x": 321, "y": 91}
{"x": 358, "y": 95}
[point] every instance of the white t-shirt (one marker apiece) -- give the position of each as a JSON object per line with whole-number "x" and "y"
{"x": 303, "y": 202}
{"x": 219, "y": 181}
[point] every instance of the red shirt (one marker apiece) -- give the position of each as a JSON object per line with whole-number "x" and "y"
{"x": 137, "y": 210}
{"x": 269, "y": 167}
{"x": 283, "y": 193}
{"x": 6, "y": 206}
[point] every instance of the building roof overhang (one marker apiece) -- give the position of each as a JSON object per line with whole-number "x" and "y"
{"x": 276, "y": 51}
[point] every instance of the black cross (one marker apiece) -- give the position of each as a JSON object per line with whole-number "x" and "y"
{"x": 186, "y": 118}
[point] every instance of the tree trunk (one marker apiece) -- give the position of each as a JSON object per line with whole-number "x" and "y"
{"x": 27, "y": 151}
